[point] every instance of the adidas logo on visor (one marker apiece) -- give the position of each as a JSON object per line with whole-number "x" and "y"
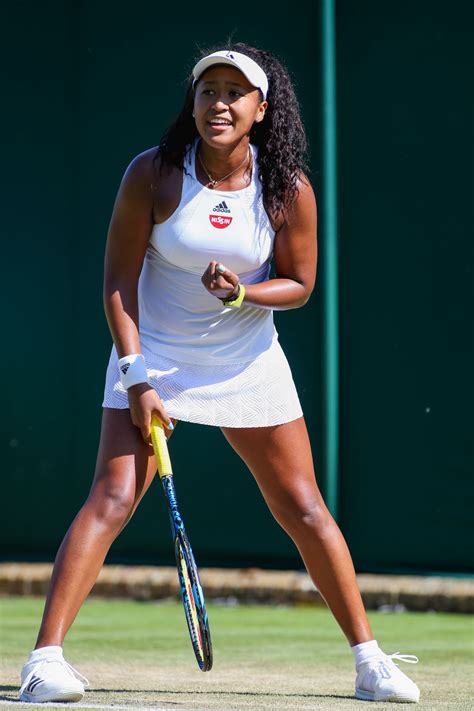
{"x": 221, "y": 207}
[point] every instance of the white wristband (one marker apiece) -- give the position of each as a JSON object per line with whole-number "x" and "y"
{"x": 132, "y": 370}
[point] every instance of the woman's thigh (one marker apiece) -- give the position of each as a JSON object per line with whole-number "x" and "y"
{"x": 125, "y": 465}
{"x": 281, "y": 461}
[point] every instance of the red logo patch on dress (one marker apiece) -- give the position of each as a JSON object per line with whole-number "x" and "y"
{"x": 219, "y": 221}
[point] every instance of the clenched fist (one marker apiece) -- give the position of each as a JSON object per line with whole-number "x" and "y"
{"x": 219, "y": 281}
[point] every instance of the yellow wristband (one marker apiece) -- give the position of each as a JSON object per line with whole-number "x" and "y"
{"x": 236, "y": 303}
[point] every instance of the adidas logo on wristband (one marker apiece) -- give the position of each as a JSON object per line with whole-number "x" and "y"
{"x": 132, "y": 370}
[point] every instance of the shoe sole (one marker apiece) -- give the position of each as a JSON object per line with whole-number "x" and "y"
{"x": 398, "y": 698}
{"x": 57, "y": 696}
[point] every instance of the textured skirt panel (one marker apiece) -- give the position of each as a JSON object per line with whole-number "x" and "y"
{"x": 260, "y": 393}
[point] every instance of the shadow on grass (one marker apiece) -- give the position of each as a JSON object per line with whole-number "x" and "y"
{"x": 214, "y": 692}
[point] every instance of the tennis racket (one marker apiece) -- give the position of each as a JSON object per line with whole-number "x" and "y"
{"x": 190, "y": 586}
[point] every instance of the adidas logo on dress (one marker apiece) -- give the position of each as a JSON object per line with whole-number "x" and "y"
{"x": 221, "y": 207}
{"x": 125, "y": 367}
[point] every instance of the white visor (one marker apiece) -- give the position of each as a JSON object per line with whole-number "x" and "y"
{"x": 244, "y": 64}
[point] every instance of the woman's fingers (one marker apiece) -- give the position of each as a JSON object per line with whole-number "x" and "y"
{"x": 226, "y": 277}
{"x": 144, "y": 403}
{"x": 142, "y": 422}
{"x": 166, "y": 421}
{"x": 219, "y": 280}
{"x": 209, "y": 276}
{"x": 168, "y": 425}
{"x": 168, "y": 431}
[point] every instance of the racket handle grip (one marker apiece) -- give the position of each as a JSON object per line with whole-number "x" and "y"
{"x": 160, "y": 447}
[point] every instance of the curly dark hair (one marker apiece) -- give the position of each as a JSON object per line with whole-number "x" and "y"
{"x": 280, "y": 137}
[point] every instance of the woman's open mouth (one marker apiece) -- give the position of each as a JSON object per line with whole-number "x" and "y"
{"x": 219, "y": 124}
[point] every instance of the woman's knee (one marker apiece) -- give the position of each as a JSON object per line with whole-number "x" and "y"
{"x": 111, "y": 505}
{"x": 301, "y": 514}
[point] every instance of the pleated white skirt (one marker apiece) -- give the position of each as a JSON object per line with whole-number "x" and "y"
{"x": 260, "y": 393}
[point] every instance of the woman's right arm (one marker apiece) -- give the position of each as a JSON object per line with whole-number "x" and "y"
{"x": 128, "y": 236}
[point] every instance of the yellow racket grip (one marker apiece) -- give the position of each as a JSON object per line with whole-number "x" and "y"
{"x": 160, "y": 447}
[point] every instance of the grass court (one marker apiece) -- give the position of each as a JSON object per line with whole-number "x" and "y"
{"x": 138, "y": 655}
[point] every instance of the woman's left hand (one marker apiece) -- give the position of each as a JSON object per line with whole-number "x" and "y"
{"x": 219, "y": 281}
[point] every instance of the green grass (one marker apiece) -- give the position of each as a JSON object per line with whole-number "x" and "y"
{"x": 139, "y": 655}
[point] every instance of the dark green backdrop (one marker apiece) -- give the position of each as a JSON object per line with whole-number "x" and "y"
{"x": 86, "y": 88}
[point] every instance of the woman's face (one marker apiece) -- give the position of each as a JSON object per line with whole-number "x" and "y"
{"x": 226, "y": 106}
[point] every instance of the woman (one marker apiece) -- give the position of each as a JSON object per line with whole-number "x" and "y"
{"x": 189, "y": 303}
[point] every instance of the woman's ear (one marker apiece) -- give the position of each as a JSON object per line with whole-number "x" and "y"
{"x": 261, "y": 112}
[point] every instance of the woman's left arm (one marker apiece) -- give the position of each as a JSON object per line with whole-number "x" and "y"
{"x": 294, "y": 257}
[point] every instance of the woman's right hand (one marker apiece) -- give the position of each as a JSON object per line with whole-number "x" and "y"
{"x": 144, "y": 403}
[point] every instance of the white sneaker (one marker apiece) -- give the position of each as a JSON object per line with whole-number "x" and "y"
{"x": 49, "y": 677}
{"x": 380, "y": 679}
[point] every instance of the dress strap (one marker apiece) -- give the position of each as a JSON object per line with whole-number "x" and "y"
{"x": 190, "y": 160}
{"x": 256, "y": 184}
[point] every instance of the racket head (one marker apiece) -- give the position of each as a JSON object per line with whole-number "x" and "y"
{"x": 193, "y": 602}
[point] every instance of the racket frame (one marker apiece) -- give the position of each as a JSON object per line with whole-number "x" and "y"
{"x": 191, "y": 591}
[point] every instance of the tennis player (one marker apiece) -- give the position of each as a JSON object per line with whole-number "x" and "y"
{"x": 189, "y": 301}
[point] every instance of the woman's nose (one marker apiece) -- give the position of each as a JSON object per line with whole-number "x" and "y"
{"x": 220, "y": 104}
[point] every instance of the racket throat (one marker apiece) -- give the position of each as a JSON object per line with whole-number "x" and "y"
{"x": 175, "y": 516}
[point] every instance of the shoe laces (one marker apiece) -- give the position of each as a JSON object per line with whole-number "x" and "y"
{"x": 386, "y": 665}
{"x": 48, "y": 660}
{"x": 408, "y": 658}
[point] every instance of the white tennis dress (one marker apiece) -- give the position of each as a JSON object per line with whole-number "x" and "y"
{"x": 210, "y": 364}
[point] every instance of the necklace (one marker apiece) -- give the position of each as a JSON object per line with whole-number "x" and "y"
{"x": 213, "y": 182}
